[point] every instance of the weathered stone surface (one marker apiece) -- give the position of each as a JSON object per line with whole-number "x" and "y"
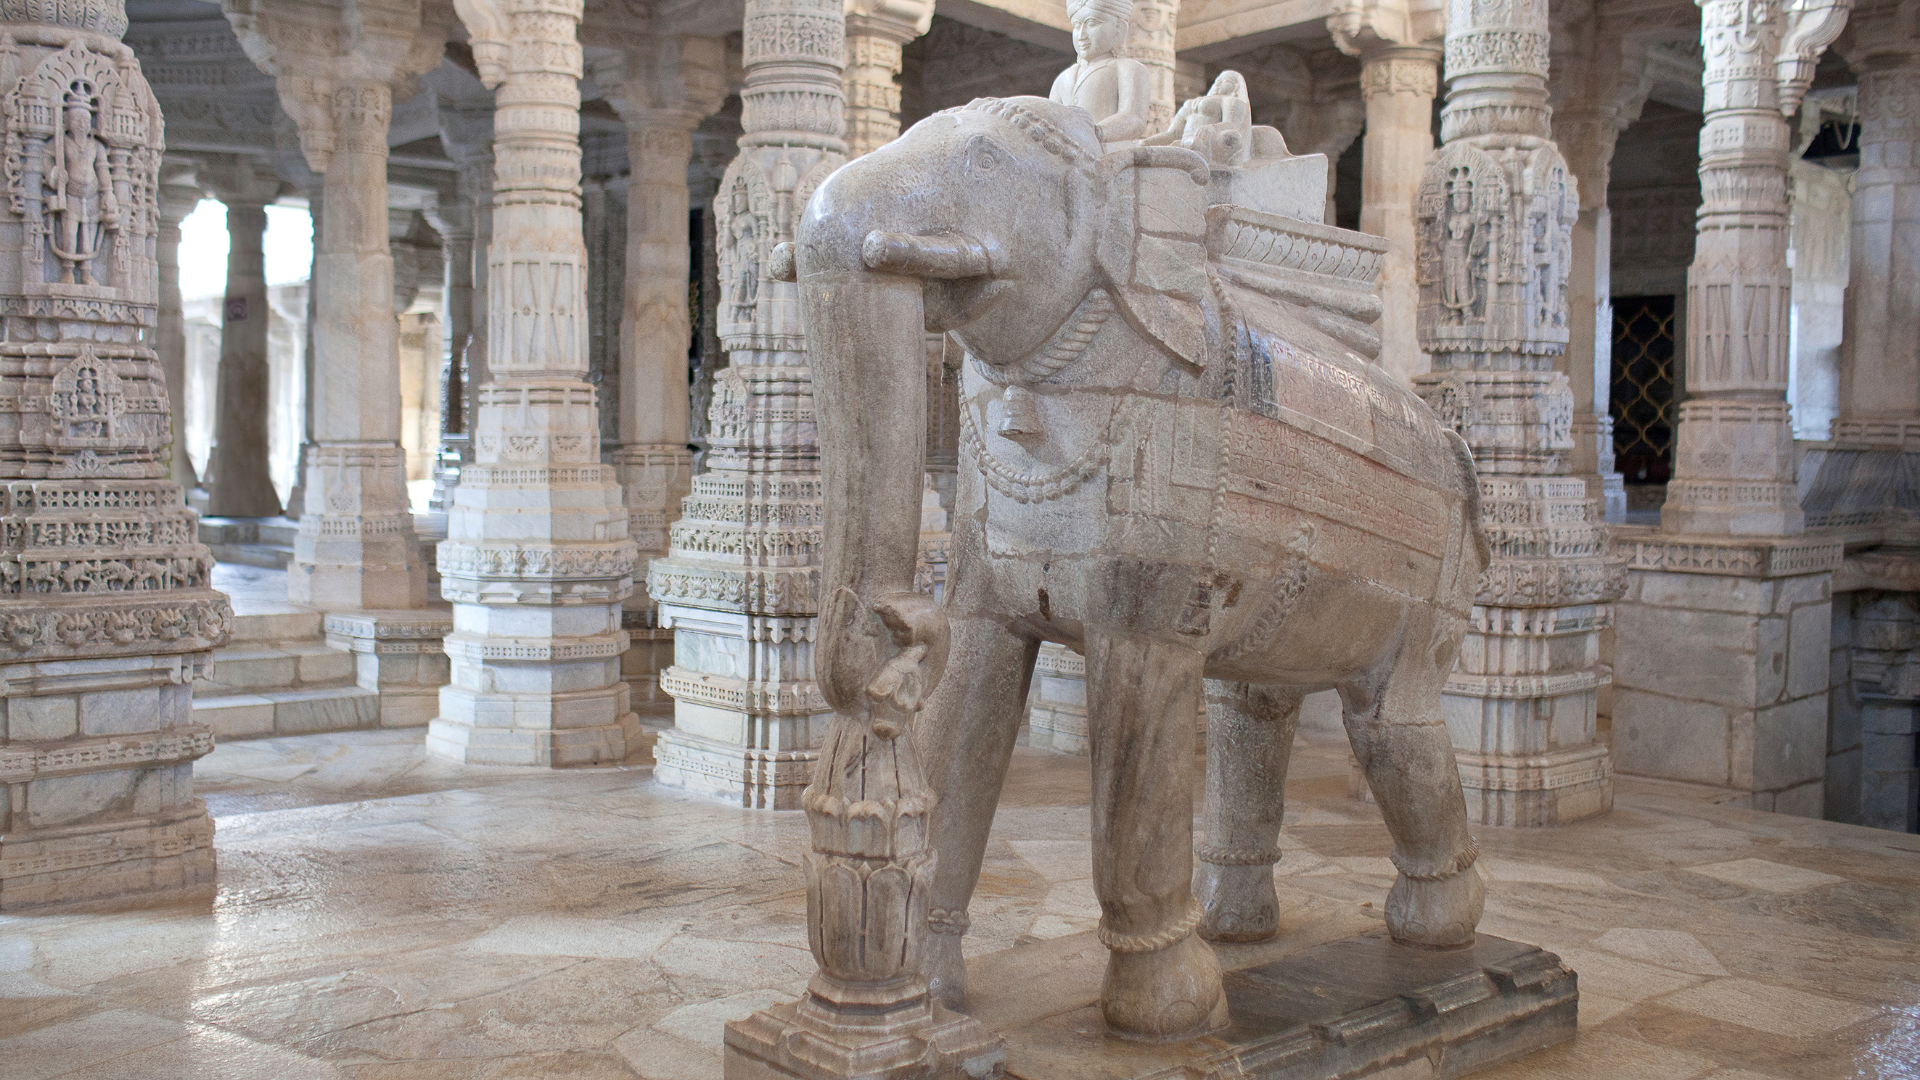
{"x": 106, "y": 615}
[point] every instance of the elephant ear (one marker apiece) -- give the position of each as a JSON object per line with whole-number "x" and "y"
{"x": 1154, "y": 244}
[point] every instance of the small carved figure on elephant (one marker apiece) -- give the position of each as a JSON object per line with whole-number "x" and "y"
{"x": 1168, "y": 461}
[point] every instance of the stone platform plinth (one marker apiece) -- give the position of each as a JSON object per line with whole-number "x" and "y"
{"x": 1353, "y": 1006}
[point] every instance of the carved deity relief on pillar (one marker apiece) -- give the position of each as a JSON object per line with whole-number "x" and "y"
{"x": 1496, "y": 212}
{"x": 106, "y": 613}
{"x": 536, "y": 560}
{"x": 1734, "y": 465}
{"x": 738, "y": 584}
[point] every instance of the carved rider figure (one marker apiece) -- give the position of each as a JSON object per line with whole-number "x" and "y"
{"x": 1456, "y": 257}
{"x": 1103, "y": 80}
{"x": 1217, "y": 125}
{"x": 80, "y": 186}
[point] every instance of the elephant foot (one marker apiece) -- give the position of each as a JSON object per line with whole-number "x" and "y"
{"x": 945, "y": 969}
{"x": 1239, "y": 902}
{"x": 1165, "y": 995}
{"x": 1436, "y": 913}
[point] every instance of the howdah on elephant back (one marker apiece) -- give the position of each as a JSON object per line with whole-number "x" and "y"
{"x": 1175, "y": 458}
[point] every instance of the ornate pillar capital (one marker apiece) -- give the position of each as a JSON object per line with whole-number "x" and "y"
{"x": 1366, "y": 28}
{"x": 336, "y": 69}
{"x": 668, "y": 82}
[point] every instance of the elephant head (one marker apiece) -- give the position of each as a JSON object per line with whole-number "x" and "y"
{"x": 993, "y": 221}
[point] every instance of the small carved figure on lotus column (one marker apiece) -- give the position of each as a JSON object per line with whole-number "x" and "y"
{"x": 1463, "y": 245}
{"x": 80, "y": 185}
{"x": 1116, "y": 90}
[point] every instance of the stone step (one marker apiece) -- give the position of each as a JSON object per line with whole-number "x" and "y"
{"x": 279, "y": 532}
{"x": 287, "y": 712}
{"x": 293, "y": 665}
{"x": 263, "y": 629}
{"x": 265, "y": 556}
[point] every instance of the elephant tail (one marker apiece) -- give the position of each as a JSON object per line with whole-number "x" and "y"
{"x": 1470, "y": 477}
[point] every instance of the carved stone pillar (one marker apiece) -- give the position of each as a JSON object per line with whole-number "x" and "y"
{"x": 536, "y": 560}
{"x": 1399, "y": 48}
{"x": 876, "y": 31}
{"x": 1880, "y": 358}
{"x": 173, "y": 202}
{"x": 1496, "y": 213}
{"x": 455, "y": 225}
{"x": 466, "y": 130}
{"x": 106, "y": 617}
{"x": 1150, "y": 40}
{"x": 664, "y": 91}
{"x": 1598, "y": 93}
{"x": 1734, "y": 467}
{"x": 1721, "y": 656}
{"x": 237, "y": 481}
{"x": 738, "y": 584}
{"x": 337, "y": 72}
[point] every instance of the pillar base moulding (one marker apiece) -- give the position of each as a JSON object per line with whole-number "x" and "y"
{"x": 400, "y": 655}
{"x": 1722, "y": 664}
{"x": 356, "y": 549}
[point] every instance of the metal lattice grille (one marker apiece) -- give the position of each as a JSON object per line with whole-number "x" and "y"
{"x": 1642, "y": 403}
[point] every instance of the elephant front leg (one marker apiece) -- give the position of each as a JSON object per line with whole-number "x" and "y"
{"x": 965, "y": 735}
{"x": 1249, "y": 739}
{"x": 1162, "y": 982}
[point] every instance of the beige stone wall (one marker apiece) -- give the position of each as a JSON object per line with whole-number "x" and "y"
{"x": 1723, "y": 680}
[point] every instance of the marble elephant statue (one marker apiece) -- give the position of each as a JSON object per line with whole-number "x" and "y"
{"x": 1174, "y": 458}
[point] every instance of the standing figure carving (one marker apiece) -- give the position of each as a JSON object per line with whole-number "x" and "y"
{"x": 1461, "y": 230}
{"x": 80, "y": 187}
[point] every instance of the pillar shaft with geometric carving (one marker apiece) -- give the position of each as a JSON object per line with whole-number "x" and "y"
{"x": 1734, "y": 465}
{"x": 536, "y": 560}
{"x": 663, "y": 90}
{"x": 738, "y": 584}
{"x": 1496, "y": 212}
{"x": 106, "y": 615}
{"x": 337, "y": 72}
{"x": 876, "y": 32}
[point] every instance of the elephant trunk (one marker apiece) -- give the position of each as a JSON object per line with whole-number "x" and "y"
{"x": 881, "y": 646}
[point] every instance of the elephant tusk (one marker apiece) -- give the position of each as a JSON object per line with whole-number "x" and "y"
{"x": 943, "y": 255}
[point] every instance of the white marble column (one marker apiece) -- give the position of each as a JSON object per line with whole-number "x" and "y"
{"x": 238, "y": 481}
{"x": 1722, "y": 646}
{"x": 174, "y": 200}
{"x": 356, "y": 549}
{"x": 738, "y": 584}
{"x": 455, "y": 225}
{"x": 1150, "y": 40}
{"x": 1496, "y": 212}
{"x": 537, "y": 561}
{"x": 663, "y": 92}
{"x": 106, "y": 615}
{"x": 466, "y": 131}
{"x": 876, "y": 31}
{"x": 1880, "y": 358}
{"x": 1734, "y": 465}
{"x": 1399, "y": 49}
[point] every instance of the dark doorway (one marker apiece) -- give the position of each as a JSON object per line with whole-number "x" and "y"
{"x": 1642, "y": 400}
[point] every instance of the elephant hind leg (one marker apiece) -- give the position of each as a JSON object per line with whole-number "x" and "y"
{"x": 1394, "y": 723}
{"x": 1163, "y": 982}
{"x": 1249, "y": 739}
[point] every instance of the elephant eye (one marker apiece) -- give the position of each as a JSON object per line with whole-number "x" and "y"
{"x": 982, "y": 155}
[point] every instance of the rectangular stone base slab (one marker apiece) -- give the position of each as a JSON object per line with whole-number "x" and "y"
{"x": 1355, "y": 1006}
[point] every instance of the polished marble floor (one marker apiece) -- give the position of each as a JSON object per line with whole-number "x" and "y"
{"x": 381, "y": 916}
